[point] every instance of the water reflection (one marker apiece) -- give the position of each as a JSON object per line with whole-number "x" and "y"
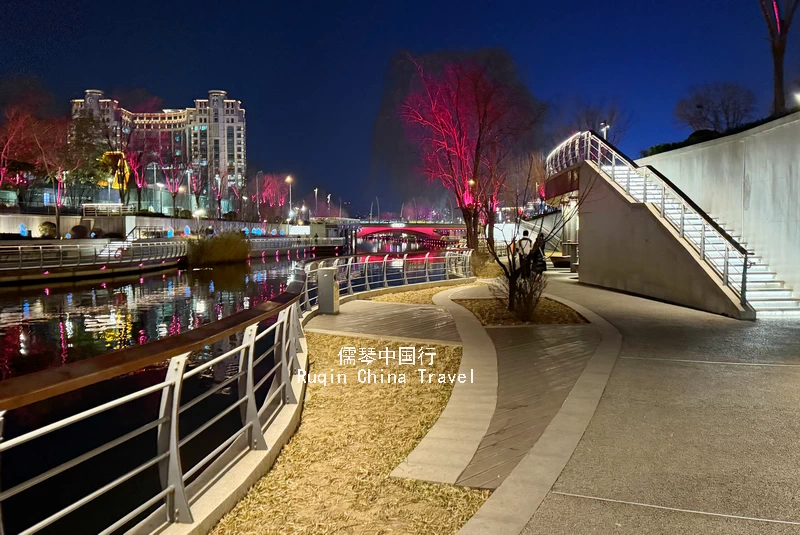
{"x": 40, "y": 329}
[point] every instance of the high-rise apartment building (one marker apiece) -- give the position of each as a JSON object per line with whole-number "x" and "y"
{"x": 211, "y": 136}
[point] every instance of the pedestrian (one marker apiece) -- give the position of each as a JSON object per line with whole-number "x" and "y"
{"x": 524, "y": 248}
{"x": 538, "y": 259}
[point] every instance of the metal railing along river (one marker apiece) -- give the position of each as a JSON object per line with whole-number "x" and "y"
{"x": 129, "y": 440}
{"x": 66, "y": 255}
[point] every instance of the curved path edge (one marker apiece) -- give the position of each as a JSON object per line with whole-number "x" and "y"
{"x": 515, "y": 501}
{"x": 449, "y": 446}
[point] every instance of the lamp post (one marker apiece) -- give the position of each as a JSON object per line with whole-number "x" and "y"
{"x": 316, "y": 201}
{"x": 604, "y": 126}
{"x": 379, "y": 208}
{"x": 289, "y": 181}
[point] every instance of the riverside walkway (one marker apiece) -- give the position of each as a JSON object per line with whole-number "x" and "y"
{"x": 651, "y": 419}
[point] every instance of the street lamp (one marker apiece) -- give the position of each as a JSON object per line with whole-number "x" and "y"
{"x": 289, "y": 181}
{"x": 316, "y": 201}
{"x": 604, "y": 126}
{"x": 797, "y": 97}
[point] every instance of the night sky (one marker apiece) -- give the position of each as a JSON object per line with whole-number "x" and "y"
{"x": 310, "y": 74}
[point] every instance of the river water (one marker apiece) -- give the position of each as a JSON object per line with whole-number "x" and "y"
{"x": 42, "y": 328}
{"x": 47, "y": 327}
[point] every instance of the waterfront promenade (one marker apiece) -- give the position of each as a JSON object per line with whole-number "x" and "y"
{"x": 694, "y": 430}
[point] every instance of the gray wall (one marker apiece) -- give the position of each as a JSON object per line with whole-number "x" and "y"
{"x": 751, "y": 181}
{"x": 625, "y": 246}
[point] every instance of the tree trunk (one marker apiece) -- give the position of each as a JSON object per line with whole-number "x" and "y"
{"x": 471, "y": 223}
{"x": 778, "y": 49}
{"x": 138, "y": 199}
{"x": 58, "y": 221}
{"x": 512, "y": 289}
{"x": 175, "y": 204}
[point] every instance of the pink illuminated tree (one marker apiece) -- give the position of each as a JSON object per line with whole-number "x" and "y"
{"x": 171, "y": 161}
{"x": 15, "y": 144}
{"x": 778, "y": 15}
{"x": 55, "y": 160}
{"x": 268, "y": 191}
{"x": 197, "y": 181}
{"x": 219, "y": 187}
{"x": 465, "y": 122}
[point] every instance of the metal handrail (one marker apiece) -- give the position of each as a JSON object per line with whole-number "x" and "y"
{"x": 366, "y": 272}
{"x": 181, "y": 485}
{"x": 66, "y": 255}
{"x": 590, "y": 147}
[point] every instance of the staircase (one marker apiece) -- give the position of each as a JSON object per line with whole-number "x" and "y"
{"x": 765, "y": 292}
{"x": 737, "y": 266}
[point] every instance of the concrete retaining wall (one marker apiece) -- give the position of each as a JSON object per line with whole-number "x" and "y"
{"x": 626, "y": 246}
{"x": 751, "y": 181}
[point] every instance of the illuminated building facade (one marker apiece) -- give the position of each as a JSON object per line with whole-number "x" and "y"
{"x": 211, "y": 135}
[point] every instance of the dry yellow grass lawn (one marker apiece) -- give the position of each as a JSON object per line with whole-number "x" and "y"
{"x": 415, "y": 297}
{"x": 494, "y": 312}
{"x": 333, "y": 475}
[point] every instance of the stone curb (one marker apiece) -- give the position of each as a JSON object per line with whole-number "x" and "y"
{"x": 447, "y": 449}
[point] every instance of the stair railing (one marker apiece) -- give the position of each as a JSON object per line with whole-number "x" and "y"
{"x": 718, "y": 249}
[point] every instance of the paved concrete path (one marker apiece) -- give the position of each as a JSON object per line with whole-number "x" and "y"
{"x": 450, "y": 445}
{"x": 390, "y": 321}
{"x": 697, "y": 431}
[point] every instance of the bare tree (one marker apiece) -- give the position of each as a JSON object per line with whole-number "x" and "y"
{"x": 718, "y": 106}
{"x": 778, "y": 15}
{"x": 592, "y": 116}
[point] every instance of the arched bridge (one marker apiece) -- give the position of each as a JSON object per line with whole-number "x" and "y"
{"x": 429, "y": 230}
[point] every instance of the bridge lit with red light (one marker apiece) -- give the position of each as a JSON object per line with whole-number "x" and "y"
{"x": 427, "y": 230}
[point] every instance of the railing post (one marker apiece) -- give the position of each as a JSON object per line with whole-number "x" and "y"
{"x": 287, "y": 349}
{"x": 742, "y": 295}
{"x": 350, "y": 276}
{"x": 385, "y": 280}
{"x": 683, "y": 216}
{"x": 446, "y": 265}
{"x": 170, "y": 468}
{"x": 725, "y": 267}
{"x": 246, "y": 384}
{"x": 644, "y": 193}
{"x": 703, "y": 240}
{"x": 427, "y": 275}
{"x": 663, "y": 199}
{"x": 2, "y": 415}
{"x": 41, "y": 257}
{"x": 468, "y": 262}
{"x": 405, "y": 275}
{"x": 366, "y": 273}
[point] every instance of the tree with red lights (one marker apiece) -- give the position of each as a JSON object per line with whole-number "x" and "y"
{"x": 198, "y": 175}
{"x": 16, "y": 144}
{"x": 55, "y": 160}
{"x": 778, "y": 15}
{"x": 465, "y": 121}
{"x": 268, "y": 193}
{"x": 219, "y": 186}
{"x": 171, "y": 161}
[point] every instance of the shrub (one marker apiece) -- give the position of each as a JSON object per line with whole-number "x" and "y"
{"x": 97, "y": 233}
{"x": 221, "y": 249}
{"x": 79, "y": 232}
{"x": 115, "y": 236}
{"x": 229, "y": 216}
{"x": 48, "y": 230}
{"x": 527, "y": 293}
{"x": 185, "y": 214}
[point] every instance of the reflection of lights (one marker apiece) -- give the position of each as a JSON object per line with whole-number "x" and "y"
{"x": 200, "y": 306}
{"x": 211, "y": 287}
{"x": 246, "y": 303}
{"x": 162, "y": 330}
{"x": 23, "y": 347}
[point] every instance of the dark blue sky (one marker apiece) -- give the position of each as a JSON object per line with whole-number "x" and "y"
{"x": 310, "y": 74}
